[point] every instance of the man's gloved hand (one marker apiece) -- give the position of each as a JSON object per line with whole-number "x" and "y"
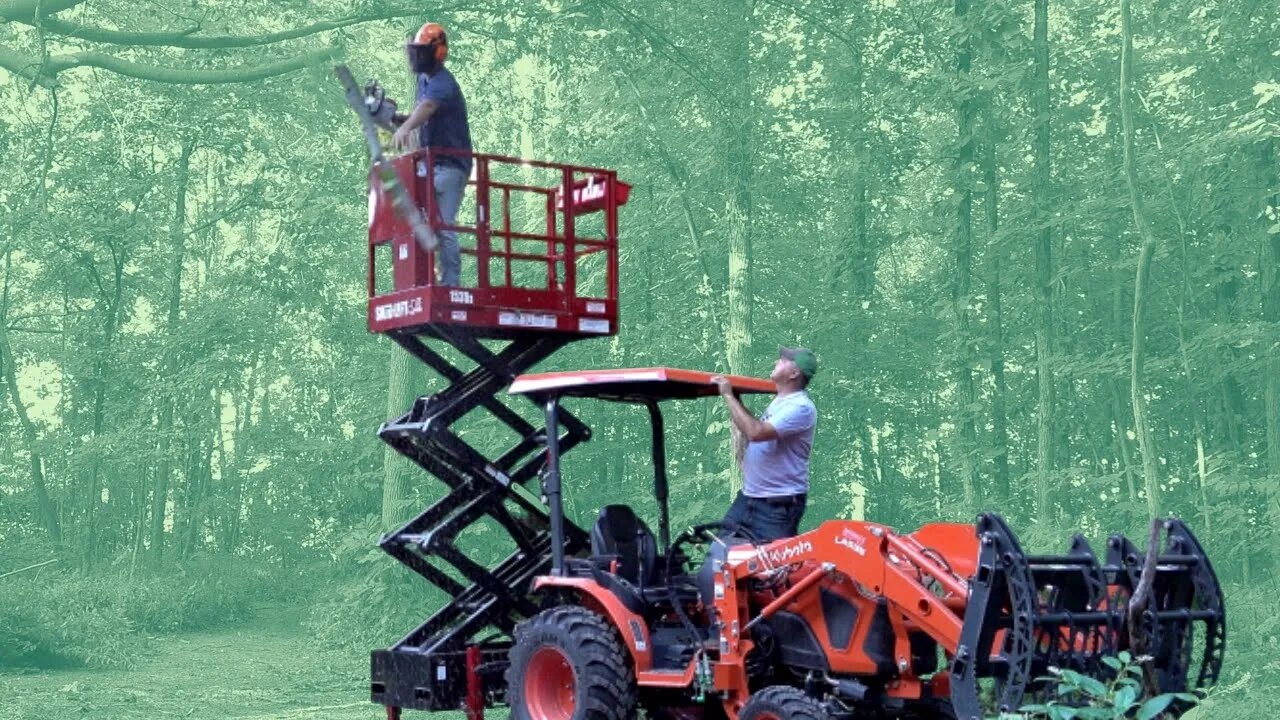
{"x": 722, "y": 384}
{"x": 402, "y": 138}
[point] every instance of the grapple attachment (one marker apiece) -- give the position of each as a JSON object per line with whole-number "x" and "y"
{"x": 1028, "y": 613}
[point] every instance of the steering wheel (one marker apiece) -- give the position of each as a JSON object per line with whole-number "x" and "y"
{"x": 703, "y": 535}
{"x": 700, "y": 535}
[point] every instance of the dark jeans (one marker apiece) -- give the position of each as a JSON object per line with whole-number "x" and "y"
{"x": 767, "y": 519}
{"x": 450, "y": 183}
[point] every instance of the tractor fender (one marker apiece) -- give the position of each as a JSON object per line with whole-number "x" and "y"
{"x": 632, "y": 627}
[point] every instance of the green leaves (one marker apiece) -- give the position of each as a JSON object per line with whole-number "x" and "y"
{"x": 1154, "y": 707}
{"x": 1080, "y": 697}
{"x": 1266, "y": 92}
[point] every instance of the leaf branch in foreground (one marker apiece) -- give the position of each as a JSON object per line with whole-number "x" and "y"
{"x": 30, "y": 67}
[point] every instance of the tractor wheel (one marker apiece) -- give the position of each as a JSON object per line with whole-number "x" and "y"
{"x": 568, "y": 663}
{"x": 781, "y": 702}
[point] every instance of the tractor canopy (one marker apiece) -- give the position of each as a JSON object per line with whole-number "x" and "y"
{"x": 641, "y": 386}
{"x": 635, "y": 385}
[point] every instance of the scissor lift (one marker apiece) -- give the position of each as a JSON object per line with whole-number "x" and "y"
{"x": 527, "y": 294}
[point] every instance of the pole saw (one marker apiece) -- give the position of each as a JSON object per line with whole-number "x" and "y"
{"x": 366, "y": 103}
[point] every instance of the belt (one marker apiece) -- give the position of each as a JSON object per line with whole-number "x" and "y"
{"x": 782, "y": 500}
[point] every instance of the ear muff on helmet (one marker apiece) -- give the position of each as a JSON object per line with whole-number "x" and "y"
{"x": 422, "y": 58}
{"x": 432, "y": 35}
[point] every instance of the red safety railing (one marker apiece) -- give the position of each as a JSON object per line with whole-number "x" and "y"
{"x": 560, "y": 244}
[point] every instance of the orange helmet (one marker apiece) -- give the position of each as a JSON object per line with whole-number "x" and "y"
{"x": 432, "y": 34}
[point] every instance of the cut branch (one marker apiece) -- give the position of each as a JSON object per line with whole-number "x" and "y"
{"x": 1139, "y": 604}
{"x": 45, "y": 74}
{"x": 29, "y": 567}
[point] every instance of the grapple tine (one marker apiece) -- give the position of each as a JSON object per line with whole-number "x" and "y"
{"x": 1070, "y": 611}
{"x": 1001, "y": 597}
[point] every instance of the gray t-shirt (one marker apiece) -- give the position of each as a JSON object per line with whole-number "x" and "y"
{"x": 781, "y": 466}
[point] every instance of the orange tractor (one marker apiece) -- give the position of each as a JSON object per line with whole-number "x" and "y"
{"x": 852, "y": 619}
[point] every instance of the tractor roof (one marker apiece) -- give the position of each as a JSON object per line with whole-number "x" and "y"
{"x": 634, "y": 384}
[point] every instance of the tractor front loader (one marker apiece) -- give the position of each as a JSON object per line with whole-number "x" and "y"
{"x": 856, "y": 620}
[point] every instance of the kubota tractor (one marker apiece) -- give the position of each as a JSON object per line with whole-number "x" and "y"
{"x": 852, "y": 619}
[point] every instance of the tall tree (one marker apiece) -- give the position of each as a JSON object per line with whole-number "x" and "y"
{"x": 403, "y": 382}
{"x": 995, "y": 304}
{"x": 45, "y": 509}
{"x": 739, "y": 221}
{"x": 1270, "y": 226}
{"x": 1045, "y": 409}
{"x": 963, "y": 183}
{"x": 173, "y": 316}
{"x": 1141, "y": 423}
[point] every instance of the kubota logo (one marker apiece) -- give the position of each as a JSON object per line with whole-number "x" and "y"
{"x": 791, "y": 551}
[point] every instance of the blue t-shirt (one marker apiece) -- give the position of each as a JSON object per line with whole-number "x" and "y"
{"x": 447, "y": 127}
{"x": 780, "y": 466}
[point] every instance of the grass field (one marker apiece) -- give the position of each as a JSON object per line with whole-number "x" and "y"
{"x": 270, "y": 668}
{"x": 263, "y": 670}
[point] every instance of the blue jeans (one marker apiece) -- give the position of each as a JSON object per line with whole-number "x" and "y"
{"x": 449, "y": 183}
{"x": 767, "y": 519}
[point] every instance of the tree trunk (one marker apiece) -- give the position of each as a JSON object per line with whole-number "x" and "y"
{"x": 1121, "y": 416}
{"x": 228, "y": 447}
{"x": 201, "y": 480}
{"x": 246, "y": 440}
{"x": 1271, "y": 299}
{"x": 963, "y": 249}
{"x": 45, "y": 509}
{"x": 999, "y": 414}
{"x": 1231, "y": 396}
{"x": 93, "y": 495}
{"x": 1044, "y": 264}
{"x": 739, "y": 211}
{"x": 1146, "y": 440}
{"x": 397, "y": 470}
{"x": 178, "y": 240}
{"x": 1198, "y": 411}
{"x": 862, "y": 261}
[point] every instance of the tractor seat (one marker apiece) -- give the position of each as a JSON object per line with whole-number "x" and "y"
{"x": 619, "y": 535}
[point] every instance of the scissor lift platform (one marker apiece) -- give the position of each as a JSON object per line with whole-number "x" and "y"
{"x": 535, "y": 262}
{"x": 526, "y": 294}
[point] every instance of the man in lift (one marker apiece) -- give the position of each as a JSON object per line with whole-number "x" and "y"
{"x": 440, "y": 120}
{"x": 775, "y": 466}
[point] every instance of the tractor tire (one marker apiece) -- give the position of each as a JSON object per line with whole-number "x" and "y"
{"x": 780, "y": 702}
{"x": 568, "y": 663}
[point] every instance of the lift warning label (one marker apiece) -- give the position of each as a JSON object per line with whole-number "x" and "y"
{"x": 536, "y": 320}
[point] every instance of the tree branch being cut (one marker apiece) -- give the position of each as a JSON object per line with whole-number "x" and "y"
{"x": 45, "y": 74}
{"x": 188, "y": 39}
{"x": 26, "y": 11}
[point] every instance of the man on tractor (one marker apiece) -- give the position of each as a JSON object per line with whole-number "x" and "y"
{"x": 440, "y": 119}
{"x": 775, "y": 465}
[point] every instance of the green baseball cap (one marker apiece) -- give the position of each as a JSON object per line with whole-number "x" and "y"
{"x": 802, "y": 357}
